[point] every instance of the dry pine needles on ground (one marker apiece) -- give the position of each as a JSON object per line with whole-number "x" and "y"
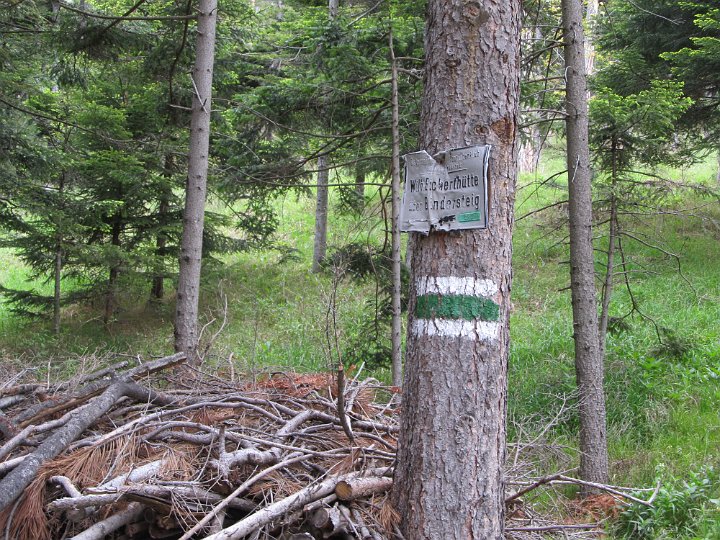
{"x": 287, "y": 457}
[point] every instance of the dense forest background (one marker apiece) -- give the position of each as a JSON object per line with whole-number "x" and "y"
{"x": 95, "y": 99}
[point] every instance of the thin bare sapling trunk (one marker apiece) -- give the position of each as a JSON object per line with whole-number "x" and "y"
{"x": 188, "y": 292}
{"x": 360, "y": 182}
{"x": 449, "y": 477}
{"x": 58, "y": 286}
{"x": 589, "y": 361}
{"x": 158, "y": 283}
{"x": 321, "y": 214}
{"x": 607, "y": 289}
{"x": 396, "y": 330}
{"x": 58, "y": 266}
{"x": 591, "y": 12}
{"x": 111, "y": 293}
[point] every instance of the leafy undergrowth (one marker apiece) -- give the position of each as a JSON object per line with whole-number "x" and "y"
{"x": 663, "y": 365}
{"x": 683, "y": 509}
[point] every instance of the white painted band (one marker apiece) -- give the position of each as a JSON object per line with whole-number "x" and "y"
{"x": 468, "y": 286}
{"x": 475, "y": 330}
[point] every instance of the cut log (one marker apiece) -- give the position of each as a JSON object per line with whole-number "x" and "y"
{"x": 357, "y": 488}
{"x": 330, "y": 521}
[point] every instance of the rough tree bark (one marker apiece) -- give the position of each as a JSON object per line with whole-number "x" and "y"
{"x": 589, "y": 362}
{"x": 188, "y": 291}
{"x": 396, "y": 338}
{"x": 449, "y": 480}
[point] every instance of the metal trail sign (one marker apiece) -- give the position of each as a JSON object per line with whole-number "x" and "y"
{"x": 445, "y": 192}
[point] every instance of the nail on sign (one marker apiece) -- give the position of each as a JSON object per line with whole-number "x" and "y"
{"x": 445, "y": 192}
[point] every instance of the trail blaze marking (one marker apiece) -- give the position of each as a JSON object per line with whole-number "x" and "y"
{"x": 455, "y": 285}
{"x": 433, "y": 306}
{"x": 457, "y": 307}
{"x": 480, "y": 330}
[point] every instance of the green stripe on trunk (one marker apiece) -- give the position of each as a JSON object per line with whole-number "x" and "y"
{"x": 433, "y": 306}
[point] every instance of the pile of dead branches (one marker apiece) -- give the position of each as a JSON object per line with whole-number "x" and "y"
{"x": 160, "y": 450}
{"x": 115, "y": 457}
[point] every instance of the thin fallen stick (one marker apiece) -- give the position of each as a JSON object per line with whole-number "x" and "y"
{"x": 22, "y": 436}
{"x": 534, "y": 485}
{"x": 186, "y": 493}
{"x": 283, "y": 507}
{"x": 547, "y": 528}
{"x": 51, "y": 406}
{"x": 227, "y": 460}
{"x": 103, "y": 528}
{"x": 239, "y": 491}
{"x": 562, "y": 479}
{"x": 10, "y": 464}
{"x": 604, "y": 487}
{"x": 15, "y": 482}
{"x": 67, "y": 485}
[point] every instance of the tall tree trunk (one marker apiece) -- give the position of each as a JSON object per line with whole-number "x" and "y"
{"x": 321, "y": 207}
{"x": 111, "y": 293}
{"x": 396, "y": 338}
{"x": 529, "y": 153}
{"x": 449, "y": 480}
{"x": 531, "y": 147}
{"x": 321, "y": 214}
{"x": 188, "y": 293}
{"x": 58, "y": 283}
{"x": 158, "y": 283}
{"x": 58, "y": 265}
{"x": 591, "y": 12}
{"x": 360, "y": 182}
{"x": 589, "y": 362}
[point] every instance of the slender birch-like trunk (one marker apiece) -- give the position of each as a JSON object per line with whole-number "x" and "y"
{"x": 188, "y": 293}
{"x": 449, "y": 475}
{"x": 157, "y": 290}
{"x": 589, "y": 361}
{"x": 111, "y": 293}
{"x": 396, "y": 330}
{"x": 59, "y": 253}
{"x": 321, "y": 214}
{"x": 321, "y": 206}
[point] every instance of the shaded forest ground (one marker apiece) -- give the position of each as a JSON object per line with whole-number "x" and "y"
{"x": 663, "y": 371}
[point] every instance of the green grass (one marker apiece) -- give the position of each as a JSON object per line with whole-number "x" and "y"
{"x": 663, "y": 396}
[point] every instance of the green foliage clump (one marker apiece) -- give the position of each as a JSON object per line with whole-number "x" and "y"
{"x": 369, "y": 340}
{"x": 681, "y": 510}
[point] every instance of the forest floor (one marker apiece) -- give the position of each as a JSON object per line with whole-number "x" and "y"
{"x": 265, "y": 312}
